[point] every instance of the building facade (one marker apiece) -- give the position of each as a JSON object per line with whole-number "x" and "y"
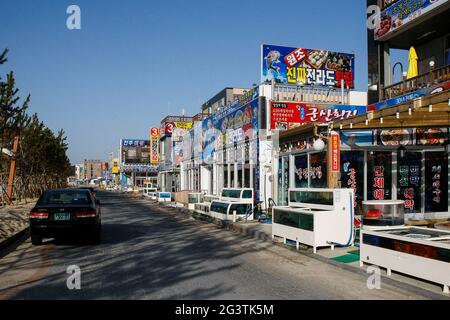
{"x": 234, "y": 146}
{"x": 92, "y": 169}
{"x": 398, "y": 149}
{"x": 134, "y": 163}
{"x": 79, "y": 172}
{"x": 171, "y": 133}
{"x": 222, "y": 99}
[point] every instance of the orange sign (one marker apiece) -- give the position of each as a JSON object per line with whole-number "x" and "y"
{"x": 154, "y": 132}
{"x": 335, "y": 152}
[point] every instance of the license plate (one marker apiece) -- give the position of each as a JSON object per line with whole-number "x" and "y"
{"x": 62, "y": 216}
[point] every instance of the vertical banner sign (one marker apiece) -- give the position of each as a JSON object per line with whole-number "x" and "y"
{"x": 154, "y": 142}
{"x": 335, "y": 152}
{"x": 115, "y": 169}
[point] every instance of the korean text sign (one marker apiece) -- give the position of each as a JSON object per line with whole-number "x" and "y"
{"x": 403, "y": 12}
{"x": 335, "y": 152}
{"x": 154, "y": 145}
{"x": 308, "y": 67}
{"x": 135, "y": 151}
{"x": 286, "y": 115}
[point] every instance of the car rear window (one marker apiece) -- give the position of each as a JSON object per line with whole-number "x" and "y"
{"x": 65, "y": 197}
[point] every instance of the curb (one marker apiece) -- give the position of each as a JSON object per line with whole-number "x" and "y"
{"x": 10, "y": 244}
{"x": 250, "y": 232}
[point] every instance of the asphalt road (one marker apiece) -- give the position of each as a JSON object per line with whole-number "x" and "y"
{"x": 150, "y": 253}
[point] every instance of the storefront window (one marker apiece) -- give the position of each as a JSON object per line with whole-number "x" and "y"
{"x": 318, "y": 170}
{"x": 232, "y": 175}
{"x": 239, "y": 181}
{"x": 379, "y": 175}
{"x": 301, "y": 171}
{"x": 247, "y": 150}
{"x": 285, "y": 179}
{"x": 225, "y": 175}
{"x": 280, "y": 181}
{"x": 247, "y": 176}
{"x": 436, "y": 182}
{"x": 352, "y": 175}
{"x": 409, "y": 181}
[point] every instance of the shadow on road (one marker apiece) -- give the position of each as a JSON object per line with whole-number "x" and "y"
{"x": 145, "y": 253}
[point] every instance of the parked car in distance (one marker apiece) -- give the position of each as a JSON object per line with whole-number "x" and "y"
{"x": 62, "y": 212}
{"x": 91, "y": 190}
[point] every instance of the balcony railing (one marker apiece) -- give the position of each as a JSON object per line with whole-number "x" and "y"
{"x": 310, "y": 95}
{"x": 425, "y": 80}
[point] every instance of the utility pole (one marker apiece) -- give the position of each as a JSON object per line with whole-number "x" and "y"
{"x": 12, "y": 170}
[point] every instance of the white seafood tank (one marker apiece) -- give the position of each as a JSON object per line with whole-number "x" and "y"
{"x": 316, "y": 217}
{"x": 194, "y": 198}
{"x": 164, "y": 196}
{"x": 383, "y": 213}
{"x": 231, "y": 210}
{"x": 237, "y": 195}
{"x": 203, "y": 207}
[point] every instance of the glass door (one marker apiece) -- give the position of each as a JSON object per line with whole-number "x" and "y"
{"x": 436, "y": 182}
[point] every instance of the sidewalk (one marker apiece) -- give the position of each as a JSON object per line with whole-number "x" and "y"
{"x": 346, "y": 257}
{"x": 14, "y": 221}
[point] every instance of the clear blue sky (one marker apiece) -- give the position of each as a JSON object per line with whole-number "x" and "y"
{"x": 135, "y": 61}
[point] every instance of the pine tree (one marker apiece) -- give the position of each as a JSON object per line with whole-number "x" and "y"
{"x": 42, "y": 160}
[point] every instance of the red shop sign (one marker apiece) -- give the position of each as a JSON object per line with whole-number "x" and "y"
{"x": 169, "y": 128}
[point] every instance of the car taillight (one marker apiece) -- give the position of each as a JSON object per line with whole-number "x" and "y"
{"x": 86, "y": 214}
{"x": 38, "y": 215}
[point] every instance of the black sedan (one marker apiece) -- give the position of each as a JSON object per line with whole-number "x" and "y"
{"x": 66, "y": 212}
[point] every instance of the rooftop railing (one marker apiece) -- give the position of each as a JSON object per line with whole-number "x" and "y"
{"x": 312, "y": 95}
{"x": 433, "y": 77}
{"x": 176, "y": 119}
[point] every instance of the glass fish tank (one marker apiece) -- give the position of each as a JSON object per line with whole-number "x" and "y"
{"x": 383, "y": 213}
{"x": 195, "y": 197}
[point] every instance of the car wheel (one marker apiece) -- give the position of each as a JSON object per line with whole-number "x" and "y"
{"x": 36, "y": 241}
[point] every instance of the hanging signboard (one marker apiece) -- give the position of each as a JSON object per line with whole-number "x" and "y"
{"x": 154, "y": 145}
{"x": 401, "y": 13}
{"x": 335, "y": 152}
{"x": 115, "y": 168}
{"x": 135, "y": 151}
{"x": 285, "y": 115}
{"x": 308, "y": 67}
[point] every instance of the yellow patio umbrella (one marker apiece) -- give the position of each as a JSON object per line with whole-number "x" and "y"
{"x": 413, "y": 70}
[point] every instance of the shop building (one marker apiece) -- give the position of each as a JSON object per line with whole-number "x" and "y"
{"x": 234, "y": 146}
{"x": 92, "y": 169}
{"x": 224, "y": 146}
{"x": 170, "y": 151}
{"x": 191, "y": 165}
{"x": 398, "y": 149}
{"x": 222, "y": 99}
{"x": 422, "y": 25}
{"x": 135, "y": 167}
